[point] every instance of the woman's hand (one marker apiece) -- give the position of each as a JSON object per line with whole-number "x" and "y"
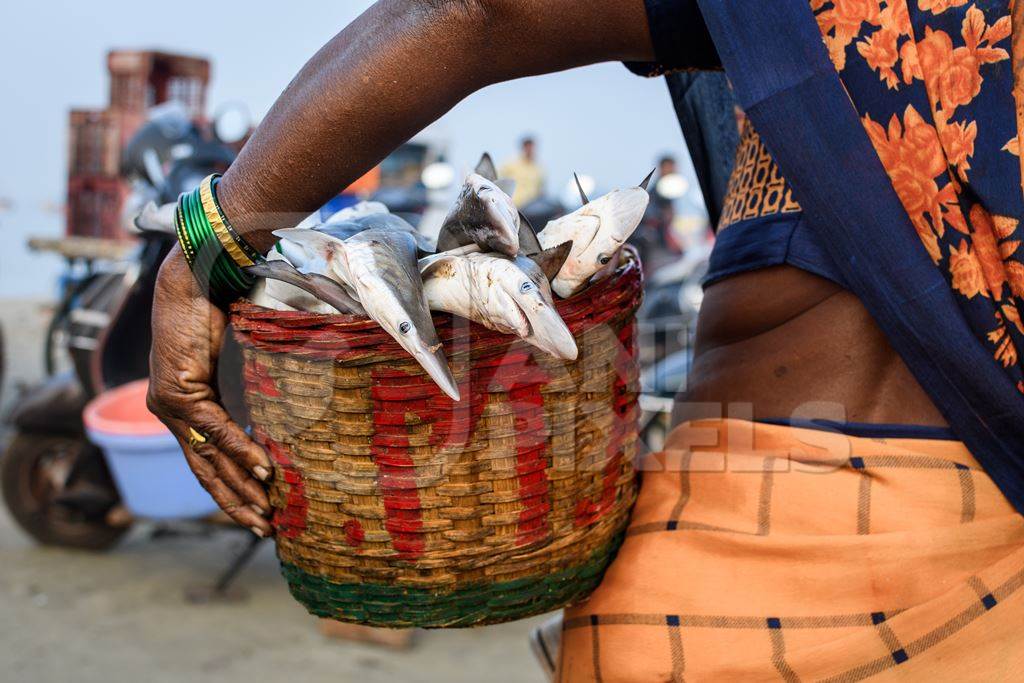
{"x": 187, "y": 335}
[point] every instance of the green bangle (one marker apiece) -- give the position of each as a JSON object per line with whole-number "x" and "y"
{"x": 216, "y": 254}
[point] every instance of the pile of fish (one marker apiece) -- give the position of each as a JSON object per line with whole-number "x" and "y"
{"x": 489, "y": 266}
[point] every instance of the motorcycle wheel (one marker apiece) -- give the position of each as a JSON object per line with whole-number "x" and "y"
{"x": 32, "y": 474}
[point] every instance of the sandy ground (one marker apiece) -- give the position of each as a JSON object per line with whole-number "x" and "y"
{"x": 122, "y": 616}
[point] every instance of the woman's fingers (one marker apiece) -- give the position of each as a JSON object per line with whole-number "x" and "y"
{"x": 240, "y": 481}
{"x": 240, "y": 496}
{"x": 228, "y": 500}
{"x": 213, "y": 422}
{"x": 233, "y": 506}
{"x": 187, "y": 334}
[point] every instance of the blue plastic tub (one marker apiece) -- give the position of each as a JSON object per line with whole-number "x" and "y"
{"x": 147, "y": 464}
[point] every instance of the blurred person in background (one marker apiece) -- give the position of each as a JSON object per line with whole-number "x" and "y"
{"x": 850, "y": 506}
{"x": 669, "y": 186}
{"x": 666, "y": 167}
{"x": 526, "y": 172}
{"x": 655, "y": 238}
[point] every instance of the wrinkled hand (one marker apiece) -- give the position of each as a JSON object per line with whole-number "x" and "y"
{"x": 187, "y": 335}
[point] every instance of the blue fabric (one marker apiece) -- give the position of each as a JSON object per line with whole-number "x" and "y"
{"x": 869, "y": 430}
{"x": 707, "y": 116}
{"x": 336, "y": 204}
{"x": 685, "y": 54}
{"x": 784, "y": 80}
{"x": 773, "y": 240}
{"x": 680, "y": 39}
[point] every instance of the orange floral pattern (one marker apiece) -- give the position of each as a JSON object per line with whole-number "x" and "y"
{"x": 939, "y": 6}
{"x": 933, "y": 83}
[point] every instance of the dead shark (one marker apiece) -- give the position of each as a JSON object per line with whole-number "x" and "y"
{"x": 484, "y": 215}
{"x": 509, "y": 295}
{"x": 598, "y": 229}
{"x": 288, "y": 279}
{"x": 379, "y": 266}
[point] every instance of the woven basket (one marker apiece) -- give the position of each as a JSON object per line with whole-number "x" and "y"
{"x": 395, "y": 506}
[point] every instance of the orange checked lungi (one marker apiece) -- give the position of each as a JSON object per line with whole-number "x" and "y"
{"x": 770, "y": 552}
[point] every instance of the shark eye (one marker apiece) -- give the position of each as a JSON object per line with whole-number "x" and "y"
{"x": 405, "y": 327}
{"x": 604, "y": 260}
{"x": 525, "y": 287}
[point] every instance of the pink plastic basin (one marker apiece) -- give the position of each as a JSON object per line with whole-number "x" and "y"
{"x": 123, "y": 411}
{"x": 144, "y": 457}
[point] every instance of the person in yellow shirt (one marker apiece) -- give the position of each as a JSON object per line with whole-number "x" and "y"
{"x": 526, "y": 172}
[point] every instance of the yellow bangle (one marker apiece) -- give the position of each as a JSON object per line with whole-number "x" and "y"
{"x": 227, "y": 240}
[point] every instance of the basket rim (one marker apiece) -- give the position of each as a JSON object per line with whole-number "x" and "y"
{"x": 316, "y": 333}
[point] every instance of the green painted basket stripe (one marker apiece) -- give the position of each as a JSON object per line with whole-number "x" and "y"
{"x": 477, "y": 604}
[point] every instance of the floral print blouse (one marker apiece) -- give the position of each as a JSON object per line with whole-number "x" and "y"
{"x": 933, "y": 82}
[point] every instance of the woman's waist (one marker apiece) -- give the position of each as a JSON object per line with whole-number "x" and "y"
{"x": 782, "y": 343}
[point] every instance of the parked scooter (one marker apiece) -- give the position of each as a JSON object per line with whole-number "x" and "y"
{"x": 56, "y": 483}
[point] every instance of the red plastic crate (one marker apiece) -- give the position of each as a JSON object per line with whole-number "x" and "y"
{"x": 94, "y": 207}
{"x": 142, "y": 79}
{"x": 96, "y": 139}
{"x": 94, "y": 143}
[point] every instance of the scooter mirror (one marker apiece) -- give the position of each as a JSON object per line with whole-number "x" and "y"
{"x": 232, "y": 122}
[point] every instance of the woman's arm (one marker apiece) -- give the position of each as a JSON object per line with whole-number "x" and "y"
{"x": 394, "y": 70}
{"x": 397, "y": 68}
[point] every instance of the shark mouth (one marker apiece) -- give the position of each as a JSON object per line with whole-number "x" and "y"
{"x": 558, "y": 342}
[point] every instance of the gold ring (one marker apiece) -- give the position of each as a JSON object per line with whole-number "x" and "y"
{"x": 195, "y": 437}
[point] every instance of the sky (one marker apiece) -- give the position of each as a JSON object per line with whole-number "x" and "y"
{"x": 599, "y": 120}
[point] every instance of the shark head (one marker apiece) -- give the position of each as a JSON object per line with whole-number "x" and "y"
{"x": 548, "y": 331}
{"x": 597, "y": 230}
{"x": 483, "y": 214}
{"x": 408, "y": 321}
{"x": 379, "y": 266}
{"x": 512, "y": 296}
{"x": 383, "y": 270}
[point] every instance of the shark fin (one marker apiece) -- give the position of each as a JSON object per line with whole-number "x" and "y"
{"x": 643, "y": 184}
{"x": 432, "y": 263}
{"x": 156, "y": 219}
{"x": 583, "y": 195}
{"x": 528, "y": 242}
{"x": 322, "y": 287}
{"x": 315, "y": 242}
{"x": 310, "y": 239}
{"x": 551, "y": 260}
{"x": 486, "y": 168}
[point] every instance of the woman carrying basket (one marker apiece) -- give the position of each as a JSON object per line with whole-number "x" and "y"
{"x": 843, "y": 499}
